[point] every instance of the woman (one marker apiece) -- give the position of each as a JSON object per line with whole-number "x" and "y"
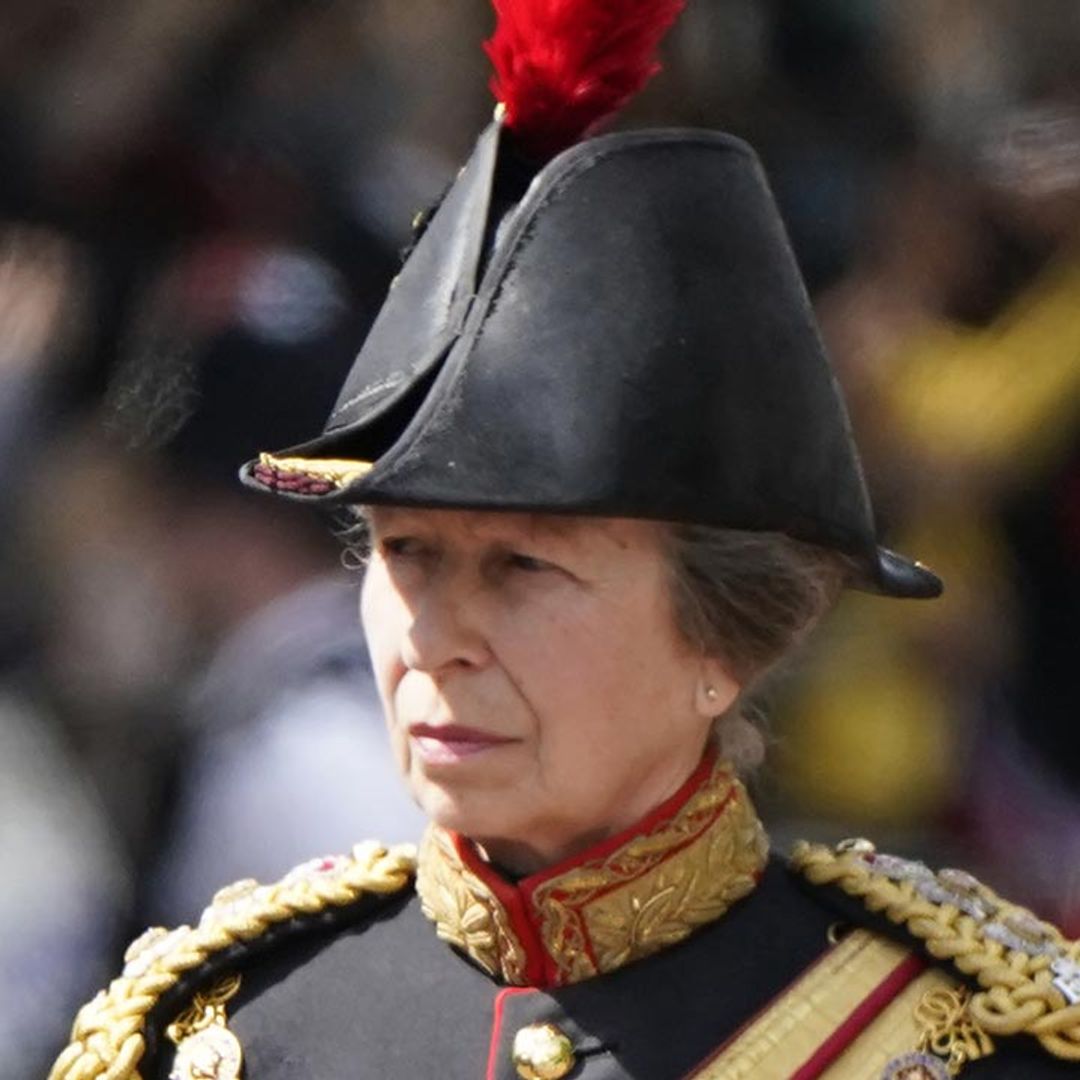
{"x": 607, "y": 481}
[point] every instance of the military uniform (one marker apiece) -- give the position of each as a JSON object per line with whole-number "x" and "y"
{"x": 675, "y": 949}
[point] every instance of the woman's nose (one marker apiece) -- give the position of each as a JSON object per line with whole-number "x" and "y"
{"x": 447, "y": 631}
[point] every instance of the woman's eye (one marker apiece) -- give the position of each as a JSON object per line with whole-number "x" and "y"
{"x": 528, "y": 563}
{"x": 402, "y": 547}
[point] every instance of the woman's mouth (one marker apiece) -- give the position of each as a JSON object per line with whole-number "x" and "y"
{"x": 446, "y": 744}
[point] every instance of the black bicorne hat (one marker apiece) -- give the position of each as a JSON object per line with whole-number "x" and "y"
{"x": 628, "y": 337}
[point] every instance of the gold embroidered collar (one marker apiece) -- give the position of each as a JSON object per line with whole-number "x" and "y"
{"x": 631, "y": 895}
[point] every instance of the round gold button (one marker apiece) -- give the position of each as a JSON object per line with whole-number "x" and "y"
{"x": 542, "y": 1052}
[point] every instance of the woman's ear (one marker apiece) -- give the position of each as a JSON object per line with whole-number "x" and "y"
{"x": 716, "y": 689}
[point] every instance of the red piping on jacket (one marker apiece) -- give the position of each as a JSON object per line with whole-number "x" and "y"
{"x": 496, "y": 1026}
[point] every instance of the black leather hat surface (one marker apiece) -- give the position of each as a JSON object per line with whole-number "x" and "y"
{"x": 630, "y": 338}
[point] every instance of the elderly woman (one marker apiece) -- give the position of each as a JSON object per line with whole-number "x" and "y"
{"x": 605, "y": 481}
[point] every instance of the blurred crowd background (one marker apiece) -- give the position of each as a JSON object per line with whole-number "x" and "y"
{"x": 201, "y": 205}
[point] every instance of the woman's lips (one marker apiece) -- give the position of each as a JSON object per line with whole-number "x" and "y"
{"x": 443, "y": 745}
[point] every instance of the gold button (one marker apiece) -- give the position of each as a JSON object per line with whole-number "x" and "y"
{"x": 542, "y": 1052}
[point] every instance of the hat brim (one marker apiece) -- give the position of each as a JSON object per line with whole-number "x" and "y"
{"x": 904, "y": 578}
{"x": 332, "y": 481}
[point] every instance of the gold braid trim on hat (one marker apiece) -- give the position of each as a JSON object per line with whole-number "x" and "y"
{"x": 108, "y": 1040}
{"x": 307, "y": 476}
{"x": 1028, "y": 971}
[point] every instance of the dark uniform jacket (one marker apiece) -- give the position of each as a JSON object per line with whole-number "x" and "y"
{"x": 676, "y": 949}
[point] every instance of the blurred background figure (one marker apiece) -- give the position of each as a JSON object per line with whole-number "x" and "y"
{"x": 67, "y": 880}
{"x": 280, "y": 750}
{"x": 200, "y": 209}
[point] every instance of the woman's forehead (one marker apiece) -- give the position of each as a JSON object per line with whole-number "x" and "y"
{"x": 502, "y": 526}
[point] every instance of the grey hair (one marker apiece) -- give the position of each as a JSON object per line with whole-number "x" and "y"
{"x": 350, "y": 527}
{"x": 750, "y": 599}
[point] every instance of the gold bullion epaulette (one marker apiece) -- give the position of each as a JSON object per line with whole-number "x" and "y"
{"x": 108, "y": 1038}
{"x": 1026, "y": 972}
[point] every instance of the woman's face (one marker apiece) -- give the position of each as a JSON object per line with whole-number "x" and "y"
{"x": 538, "y": 694}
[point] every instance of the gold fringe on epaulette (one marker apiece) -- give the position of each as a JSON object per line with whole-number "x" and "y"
{"x": 1018, "y": 992}
{"x": 108, "y": 1040}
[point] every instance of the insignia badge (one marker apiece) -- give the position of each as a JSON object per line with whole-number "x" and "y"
{"x": 210, "y": 1054}
{"x": 205, "y": 1047}
{"x": 916, "y": 1066}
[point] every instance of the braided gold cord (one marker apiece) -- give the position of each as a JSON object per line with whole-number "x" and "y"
{"x": 108, "y": 1040}
{"x": 1017, "y": 995}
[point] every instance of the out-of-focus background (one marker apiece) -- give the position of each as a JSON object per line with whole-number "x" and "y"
{"x": 201, "y": 204}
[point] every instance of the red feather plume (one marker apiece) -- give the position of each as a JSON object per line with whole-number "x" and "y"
{"x": 562, "y": 66}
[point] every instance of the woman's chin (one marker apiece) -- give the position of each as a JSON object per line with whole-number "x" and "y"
{"x": 463, "y": 812}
